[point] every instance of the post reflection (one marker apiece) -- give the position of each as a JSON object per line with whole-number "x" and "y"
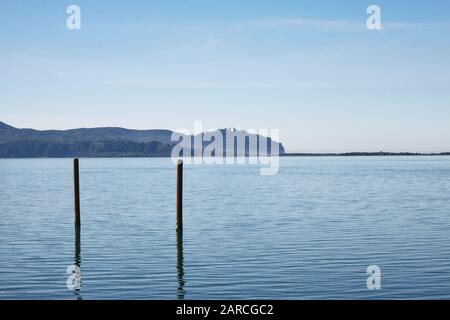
{"x": 77, "y": 262}
{"x": 180, "y": 266}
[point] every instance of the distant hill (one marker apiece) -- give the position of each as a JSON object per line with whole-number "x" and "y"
{"x": 5, "y": 126}
{"x": 95, "y": 142}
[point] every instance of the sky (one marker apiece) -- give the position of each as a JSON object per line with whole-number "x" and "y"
{"x": 311, "y": 69}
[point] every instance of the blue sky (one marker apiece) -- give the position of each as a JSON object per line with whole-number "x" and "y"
{"x": 308, "y": 68}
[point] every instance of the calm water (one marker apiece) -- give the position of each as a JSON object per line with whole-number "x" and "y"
{"x": 309, "y": 232}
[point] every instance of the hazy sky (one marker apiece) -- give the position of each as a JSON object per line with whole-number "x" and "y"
{"x": 309, "y": 68}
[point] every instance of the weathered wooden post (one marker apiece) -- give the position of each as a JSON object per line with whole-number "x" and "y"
{"x": 77, "y": 257}
{"x": 76, "y": 189}
{"x": 180, "y": 196}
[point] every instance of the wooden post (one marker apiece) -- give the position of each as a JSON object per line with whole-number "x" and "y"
{"x": 76, "y": 189}
{"x": 77, "y": 258}
{"x": 180, "y": 195}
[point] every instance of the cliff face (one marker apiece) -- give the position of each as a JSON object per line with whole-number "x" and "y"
{"x": 101, "y": 142}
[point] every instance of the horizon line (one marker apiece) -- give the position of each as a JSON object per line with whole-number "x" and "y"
{"x": 295, "y": 153}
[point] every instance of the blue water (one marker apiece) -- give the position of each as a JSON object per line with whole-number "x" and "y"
{"x": 309, "y": 232}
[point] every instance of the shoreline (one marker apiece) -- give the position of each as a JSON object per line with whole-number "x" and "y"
{"x": 365, "y": 154}
{"x": 313, "y": 155}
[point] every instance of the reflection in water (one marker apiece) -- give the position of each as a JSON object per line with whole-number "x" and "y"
{"x": 77, "y": 259}
{"x": 180, "y": 266}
